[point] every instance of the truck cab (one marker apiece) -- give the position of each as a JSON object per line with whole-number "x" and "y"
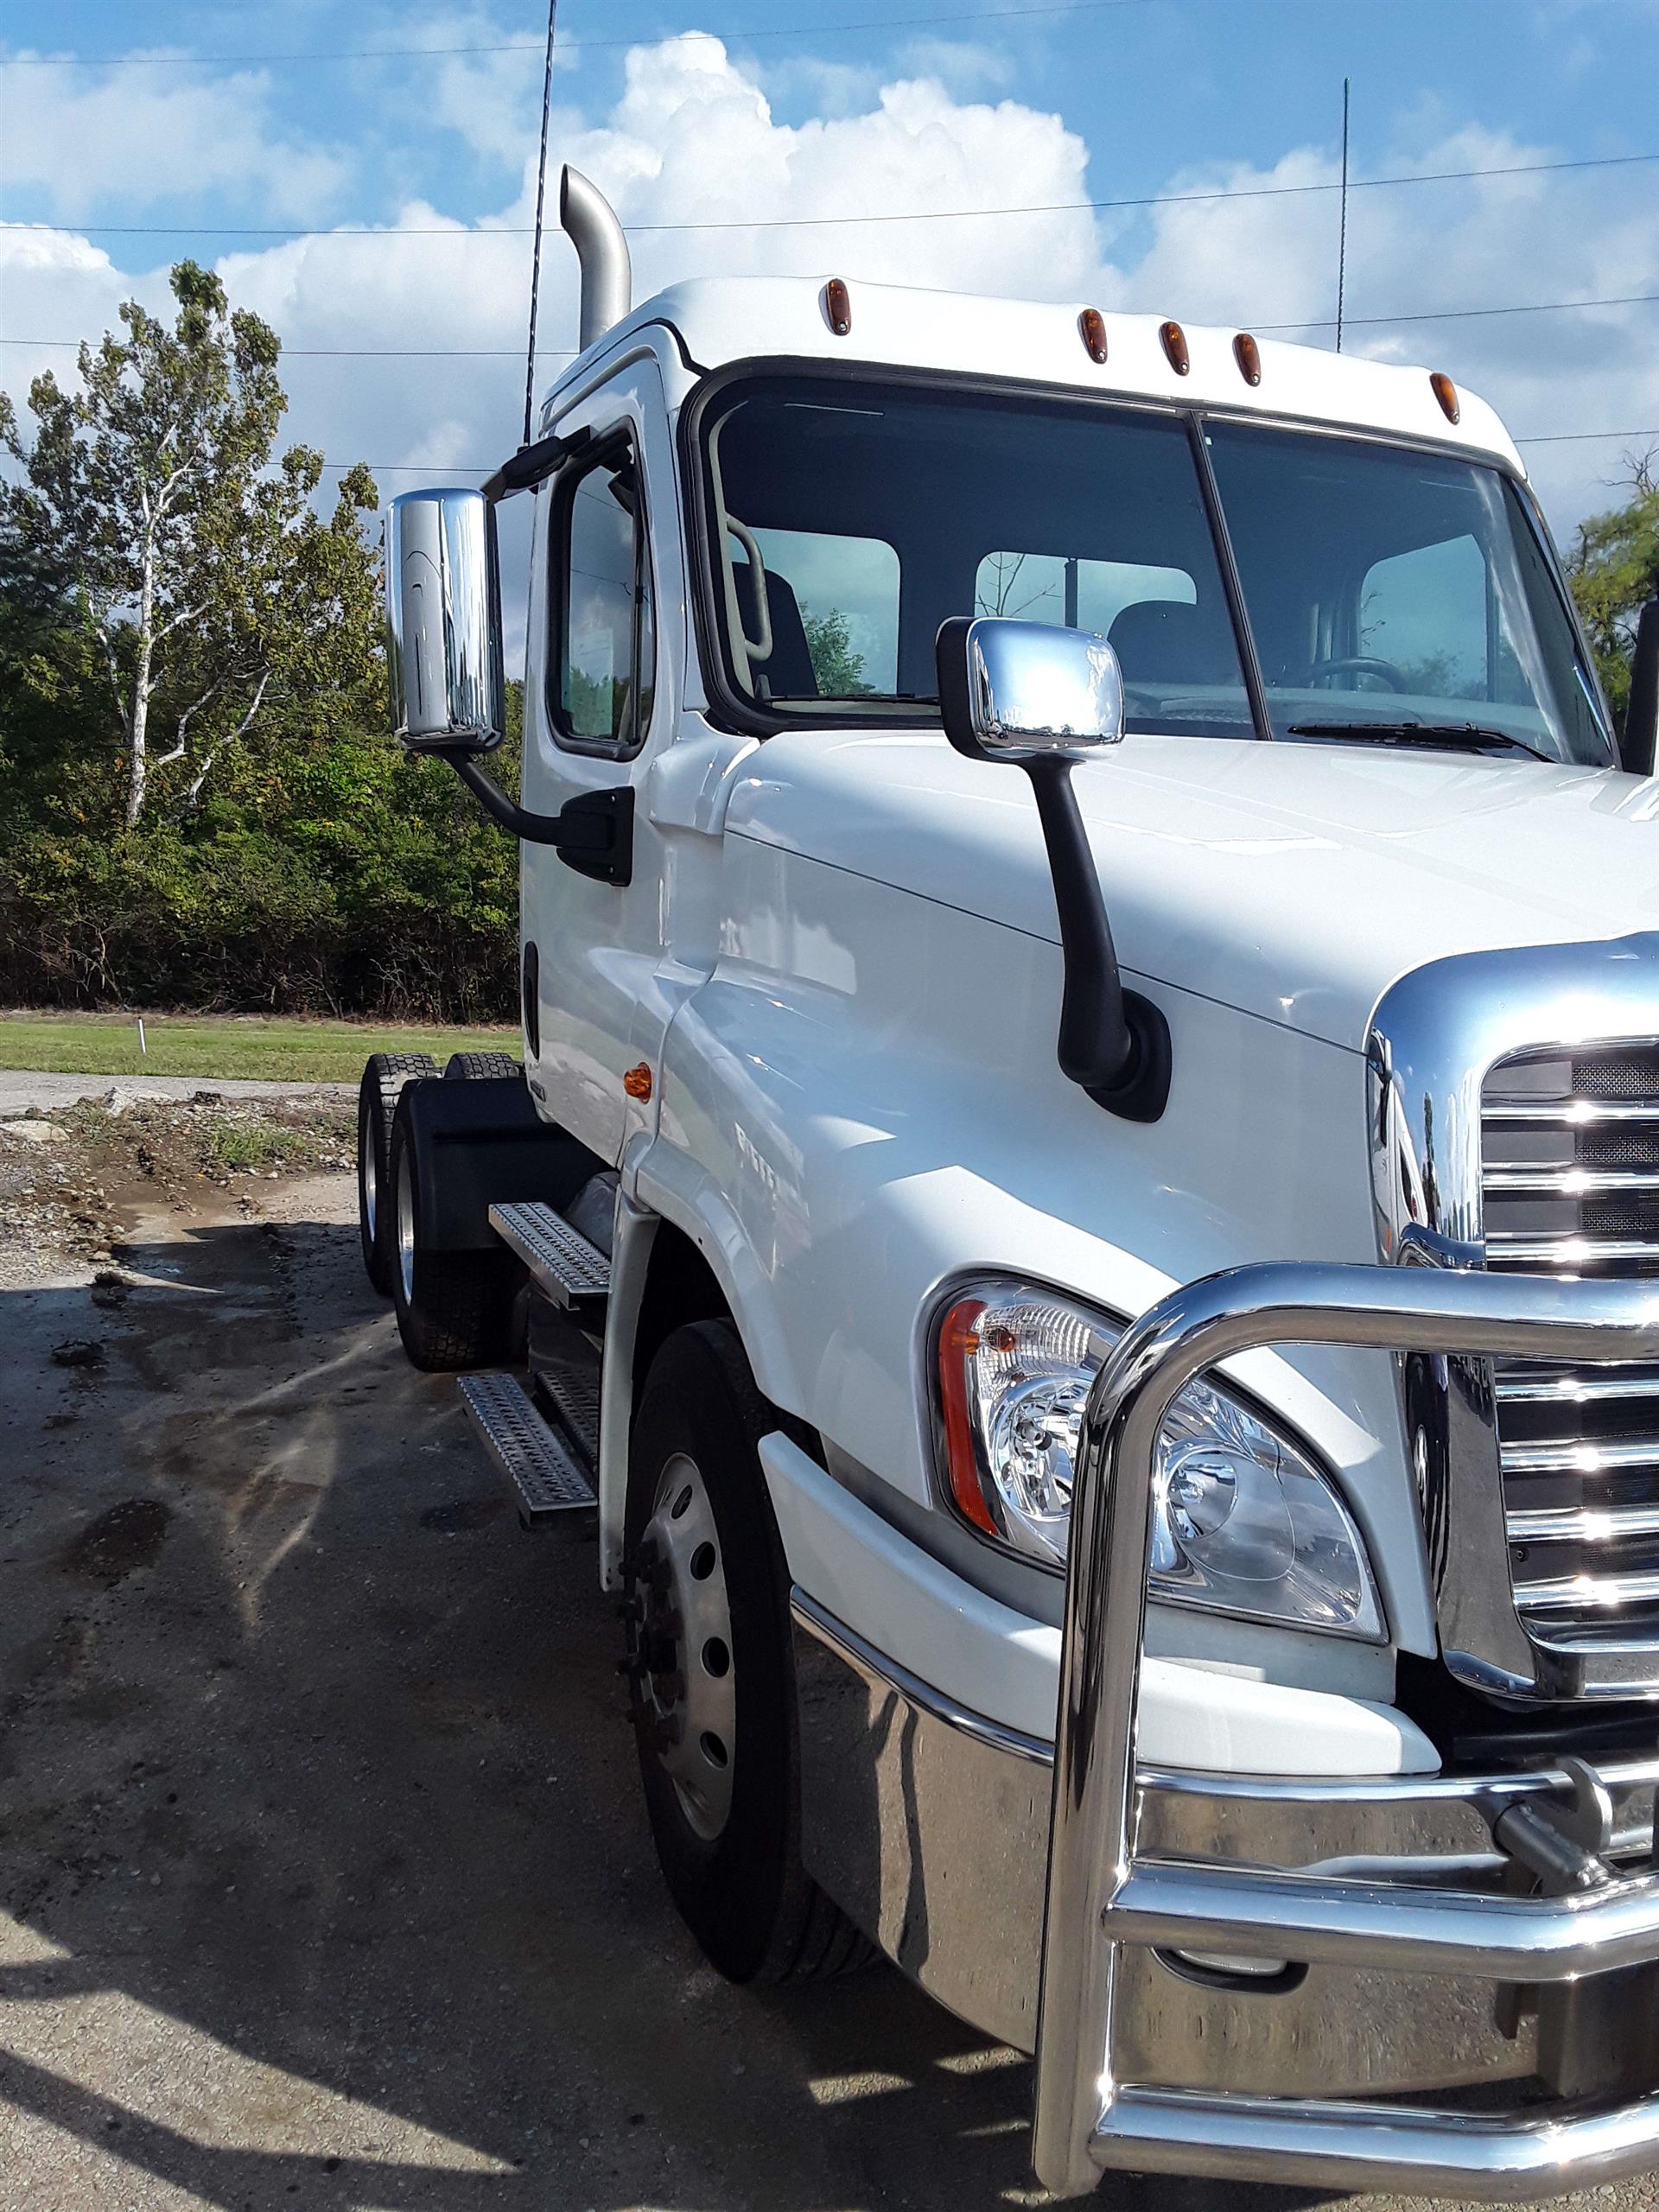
{"x": 1080, "y": 1200}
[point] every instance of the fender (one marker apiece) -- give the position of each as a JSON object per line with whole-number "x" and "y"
{"x": 481, "y": 1143}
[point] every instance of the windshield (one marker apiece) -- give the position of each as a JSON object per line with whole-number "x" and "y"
{"x": 1384, "y": 585}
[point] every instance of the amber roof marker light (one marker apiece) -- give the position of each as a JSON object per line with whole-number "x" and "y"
{"x": 1091, "y": 328}
{"x": 1174, "y": 343}
{"x": 1248, "y": 354}
{"x": 1446, "y": 392}
{"x": 837, "y": 307}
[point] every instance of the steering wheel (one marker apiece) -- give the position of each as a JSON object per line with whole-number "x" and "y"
{"x": 1359, "y": 665}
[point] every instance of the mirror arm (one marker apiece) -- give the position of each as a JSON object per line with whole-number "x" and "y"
{"x": 1638, "y": 738}
{"x": 592, "y": 833}
{"x": 533, "y": 464}
{"x": 1113, "y": 1042}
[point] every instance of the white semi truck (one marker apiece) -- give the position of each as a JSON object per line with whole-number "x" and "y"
{"x": 1082, "y": 1199}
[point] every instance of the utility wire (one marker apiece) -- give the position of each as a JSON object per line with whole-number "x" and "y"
{"x": 567, "y": 353}
{"x": 481, "y": 468}
{"x": 359, "y": 353}
{"x": 472, "y": 235}
{"x": 529, "y": 46}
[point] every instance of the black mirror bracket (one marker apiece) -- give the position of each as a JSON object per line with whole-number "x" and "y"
{"x": 1639, "y": 738}
{"x": 1115, "y": 1044}
{"x": 592, "y": 833}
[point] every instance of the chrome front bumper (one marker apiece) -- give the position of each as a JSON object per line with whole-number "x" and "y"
{"x": 1523, "y": 2028}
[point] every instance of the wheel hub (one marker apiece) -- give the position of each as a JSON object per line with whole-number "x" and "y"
{"x": 406, "y": 1228}
{"x": 368, "y": 1168}
{"x": 682, "y": 1655}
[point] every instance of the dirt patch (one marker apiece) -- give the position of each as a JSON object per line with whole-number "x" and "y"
{"x": 72, "y": 1179}
{"x": 78, "y": 1352}
{"x": 121, "y": 1540}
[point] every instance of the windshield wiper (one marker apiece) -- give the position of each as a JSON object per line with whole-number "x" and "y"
{"x": 1463, "y": 737}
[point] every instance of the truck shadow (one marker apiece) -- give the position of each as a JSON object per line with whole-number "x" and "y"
{"x": 324, "y": 1872}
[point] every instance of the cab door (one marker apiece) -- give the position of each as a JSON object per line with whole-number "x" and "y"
{"x": 600, "y": 704}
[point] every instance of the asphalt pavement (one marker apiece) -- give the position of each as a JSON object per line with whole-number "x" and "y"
{"x": 324, "y": 1874}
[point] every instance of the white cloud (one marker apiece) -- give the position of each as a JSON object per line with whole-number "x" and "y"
{"x": 693, "y": 138}
{"x": 155, "y": 140}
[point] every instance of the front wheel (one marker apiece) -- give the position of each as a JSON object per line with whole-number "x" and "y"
{"x": 711, "y": 1672}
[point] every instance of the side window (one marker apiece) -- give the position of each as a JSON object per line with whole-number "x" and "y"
{"x": 831, "y": 614}
{"x": 1081, "y": 593}
{"x": 604, "y": 641}
{"x": 1425, "y": 613}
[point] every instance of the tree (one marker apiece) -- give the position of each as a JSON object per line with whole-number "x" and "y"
{"x": 836, "y": 663}
{"x": 205, "y": 579}
{"x": 1614, "y": 570}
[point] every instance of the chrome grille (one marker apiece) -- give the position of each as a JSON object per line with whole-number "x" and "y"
{"x": 1570, "y": 1181}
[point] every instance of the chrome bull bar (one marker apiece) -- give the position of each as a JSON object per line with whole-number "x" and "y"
{"x": 1102, "y": 1896}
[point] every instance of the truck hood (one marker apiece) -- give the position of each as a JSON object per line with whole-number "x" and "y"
{"x": 1295, "y": 882}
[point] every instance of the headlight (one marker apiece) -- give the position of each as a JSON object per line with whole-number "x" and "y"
{"x": 1243, "y": 1520}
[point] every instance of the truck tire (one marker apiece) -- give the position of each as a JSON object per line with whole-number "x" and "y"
{"x": 474, "y": 1067}
{"x": 454, "y": 1309}
{"x": 711, "y": 1673}
{"x": 377, "y": 1101}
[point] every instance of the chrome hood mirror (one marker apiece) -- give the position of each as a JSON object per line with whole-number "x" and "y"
{"x": 443, "y": 622}
{"x": 1014, "y": 691}
{"x": 1042, "y": 699}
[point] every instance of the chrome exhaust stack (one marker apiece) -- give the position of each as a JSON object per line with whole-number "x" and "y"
{"x": 590, "y": 223}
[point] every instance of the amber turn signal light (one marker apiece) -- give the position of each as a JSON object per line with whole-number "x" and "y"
{"x": 1446, "y": 392}
{"x": 837, "y": 307}
{"x": 1248, "y": 354}
{"x": 637, "y": 1082}
{"x": 1091, "y": 328}
{"x": 958, "y": 1342}
{"x": 1174, "y": 339}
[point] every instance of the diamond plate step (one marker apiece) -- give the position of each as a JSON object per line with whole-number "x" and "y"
{"x": 574, "y": 1273}
{"x": 547, "y": 1477}
{"x": 571, "y": 1387}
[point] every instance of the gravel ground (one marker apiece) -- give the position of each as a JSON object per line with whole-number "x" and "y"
{"x": 324, "y": 1877}
{"x": 18, "y": 1092}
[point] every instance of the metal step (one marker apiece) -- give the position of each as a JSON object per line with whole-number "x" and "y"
{"x": 575, "y": 1274}
{"x": 546, "y": 1475}
{"x": 571, "y": 1387}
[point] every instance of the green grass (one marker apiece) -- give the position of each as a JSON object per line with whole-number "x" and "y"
{"x": 242, "y": 1147}
{"x": 215, "y": 1046}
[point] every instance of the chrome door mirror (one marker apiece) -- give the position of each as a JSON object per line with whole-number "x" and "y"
{"x": 1018, "y": 690}
{"x": 443, "y": 622}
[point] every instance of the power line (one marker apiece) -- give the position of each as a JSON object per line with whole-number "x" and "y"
{"x": 1468, "y": 314}
{"x": 840, "y": 222}
{"x": 567, "y": 353}
{"x": 487, "y": 468}
{"x": 1583, "y": 437}
{"x": 527, "y": 46}
{"x": 356, "y": 352}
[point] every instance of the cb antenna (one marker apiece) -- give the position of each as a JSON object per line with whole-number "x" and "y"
{"x": 541, "y": 201}
{"x": 1342, "y": 234}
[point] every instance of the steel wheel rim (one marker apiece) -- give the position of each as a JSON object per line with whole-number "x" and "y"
{"x": 406, "y": 1228}
{"x": 692, "y": 1695}
{"x": 369, "y": 1176}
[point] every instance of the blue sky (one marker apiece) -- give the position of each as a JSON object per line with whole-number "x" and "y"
{"x": 986, "y": 108}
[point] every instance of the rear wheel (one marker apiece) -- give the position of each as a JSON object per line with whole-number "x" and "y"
{"x": 711, "y": 1673}
{"x": 377, "y": 1101}
{"x": 474, "y": 1067}
{"x": 454, "y": 1309}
